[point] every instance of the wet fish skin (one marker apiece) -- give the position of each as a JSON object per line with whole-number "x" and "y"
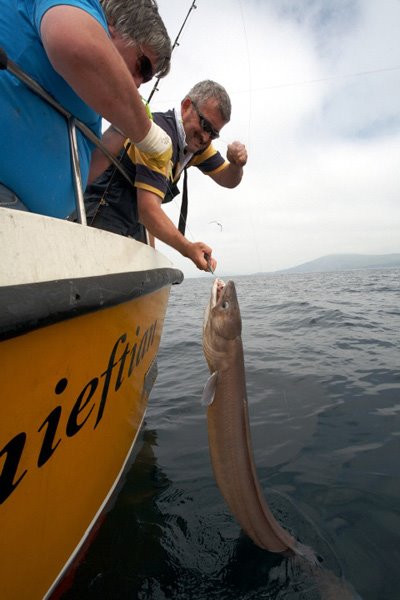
{"x": 230, "y": 442}
{"x": 228, "y": 425}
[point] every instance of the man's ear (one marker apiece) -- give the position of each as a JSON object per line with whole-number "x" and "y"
{"x": 185, "y": 105}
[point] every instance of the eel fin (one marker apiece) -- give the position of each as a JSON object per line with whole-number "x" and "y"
{"x": 209, "y": 389}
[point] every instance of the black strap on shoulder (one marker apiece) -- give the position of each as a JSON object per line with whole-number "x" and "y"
{"x": 184, "y": 205}
{"x": 3, "y": 59}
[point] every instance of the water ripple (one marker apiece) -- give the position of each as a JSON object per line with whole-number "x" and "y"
{"x": 323, "y": 377}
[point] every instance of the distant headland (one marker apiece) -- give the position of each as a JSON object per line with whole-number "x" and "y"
{"x": 346, "y": 262}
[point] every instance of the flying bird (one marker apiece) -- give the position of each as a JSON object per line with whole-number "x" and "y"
{"x": 217, "y": 223}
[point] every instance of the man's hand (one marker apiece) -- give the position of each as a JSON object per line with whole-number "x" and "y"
{"x": 237, "y": 154}
{"x": 200, "y": 254}
{"x": 232, "y": 174}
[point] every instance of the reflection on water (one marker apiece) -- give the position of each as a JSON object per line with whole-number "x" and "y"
{"x": 166, "y": 549}
{"x": 322, "y": 365}
{"x": 134, "y": 527}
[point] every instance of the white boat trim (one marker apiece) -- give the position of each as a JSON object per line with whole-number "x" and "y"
{"x": 76, "y": 250}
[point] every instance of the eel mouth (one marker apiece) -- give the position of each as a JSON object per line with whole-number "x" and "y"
{"x": 217, "y": 291}
{"x": 223, "y": 295}
{"x": 216, "y": 295}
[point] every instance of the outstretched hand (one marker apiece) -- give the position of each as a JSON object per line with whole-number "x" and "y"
{"x": 200, "y": 254}
{"x": 237, "y": 154}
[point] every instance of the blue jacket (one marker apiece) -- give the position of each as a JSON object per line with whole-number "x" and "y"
{"x": 34, "y": 149}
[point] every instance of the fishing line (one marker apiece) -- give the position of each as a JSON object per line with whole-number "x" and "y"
{"x": 320, "y": 80}
{"x": 249, "y": 212}
{"x": 246, "y": 39}
{"x": 102, "y": 200}
{"x": 225, "y": 141}
{"x": 192, "y": 7}
{"x": 309, "y": 81}
{"x": 175, "y": 44}
{"x": 313, "y": 526}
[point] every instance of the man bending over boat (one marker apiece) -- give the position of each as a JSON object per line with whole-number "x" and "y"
{"x": 90, "y": 56}
{"x": 113, "y": 204}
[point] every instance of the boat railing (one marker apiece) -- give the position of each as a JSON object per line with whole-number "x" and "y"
{"x": 73, "y": 124}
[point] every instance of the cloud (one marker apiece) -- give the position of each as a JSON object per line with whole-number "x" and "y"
{"x": 314, "y": 88}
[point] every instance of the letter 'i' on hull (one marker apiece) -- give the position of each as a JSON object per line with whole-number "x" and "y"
{"x": 78, "y": 359}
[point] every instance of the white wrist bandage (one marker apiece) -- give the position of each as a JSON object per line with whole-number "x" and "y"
{"x": 155, "y": 142}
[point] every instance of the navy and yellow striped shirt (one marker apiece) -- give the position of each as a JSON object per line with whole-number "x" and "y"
{"x": 150, "y": 177}
{"x": 118, "y": 208}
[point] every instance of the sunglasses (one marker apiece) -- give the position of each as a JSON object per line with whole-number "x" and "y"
{"x": 205, "y": 124}
{"x": 145, "y": 68}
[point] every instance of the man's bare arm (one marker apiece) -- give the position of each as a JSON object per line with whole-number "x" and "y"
{"x": 152, "y": 216}
{"x": 114, "y": 142}
{"x": 83, "y": 54}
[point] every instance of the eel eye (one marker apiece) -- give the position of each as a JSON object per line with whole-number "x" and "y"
{"x": 225, "y": 305}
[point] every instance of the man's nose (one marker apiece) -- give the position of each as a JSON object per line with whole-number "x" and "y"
{"x": 138, "y": 79}
{"x": 205, "y": 137}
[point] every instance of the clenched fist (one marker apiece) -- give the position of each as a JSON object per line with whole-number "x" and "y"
{"x": 237, "y": 154}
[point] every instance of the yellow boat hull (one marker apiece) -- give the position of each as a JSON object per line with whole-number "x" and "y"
{"x": 77, "y": 364}
{"x": 76, "y": 393}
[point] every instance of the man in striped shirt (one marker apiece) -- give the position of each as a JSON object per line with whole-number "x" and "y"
{"x": 113, "y": 204}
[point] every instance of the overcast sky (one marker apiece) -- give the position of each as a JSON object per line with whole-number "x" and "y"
{"x": 315, "y": 89}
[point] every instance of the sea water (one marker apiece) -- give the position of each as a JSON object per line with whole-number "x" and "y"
{"x": 323, "y": 378}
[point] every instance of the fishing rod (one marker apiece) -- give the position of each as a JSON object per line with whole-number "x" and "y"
{"x": 175, "y": 44}
{"x": 147, "y": 102}
{"x": 73, "y": 123}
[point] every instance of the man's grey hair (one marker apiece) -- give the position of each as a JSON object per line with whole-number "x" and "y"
{"x": 139, "y": 23}
{"x": 204, "y": 90}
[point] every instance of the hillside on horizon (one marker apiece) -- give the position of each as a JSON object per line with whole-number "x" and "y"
{"x": 346, "y": 262}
